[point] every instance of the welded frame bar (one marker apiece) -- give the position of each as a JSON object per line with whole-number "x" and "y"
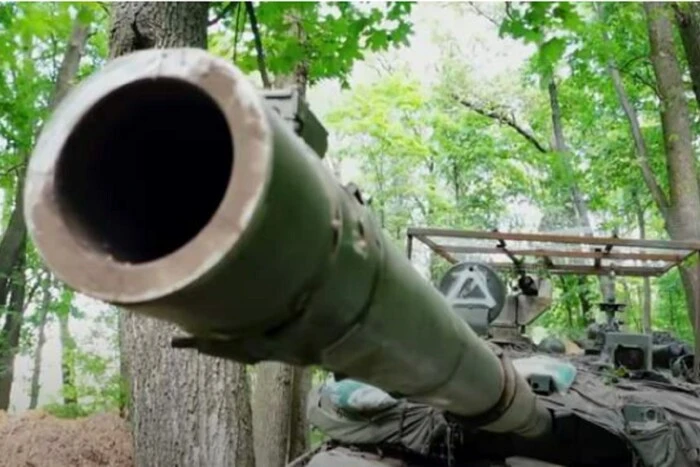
{"x": 685, "y": 250}
{"x": 553, "y": 238}
{"x": 629, "y": 271}
{"x": 545, "y": 252}
{"x": 437, "y": 249}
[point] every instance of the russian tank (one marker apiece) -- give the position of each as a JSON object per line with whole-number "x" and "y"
{"x": 265, "y": 257}
{"x": 617, "y": 398}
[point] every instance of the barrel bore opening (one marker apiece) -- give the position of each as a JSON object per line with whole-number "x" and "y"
{"x": 145, "y": 169}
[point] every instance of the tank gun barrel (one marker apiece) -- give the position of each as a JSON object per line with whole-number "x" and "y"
{"x": 165, "y": 185}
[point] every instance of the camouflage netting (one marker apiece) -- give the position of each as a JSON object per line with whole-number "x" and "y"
{"x": 41, "y": 440}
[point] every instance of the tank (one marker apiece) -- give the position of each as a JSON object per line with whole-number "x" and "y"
{"x": 616, "y": 398}
{"x": 166, "y": 184}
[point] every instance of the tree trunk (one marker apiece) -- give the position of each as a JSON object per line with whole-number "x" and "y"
{"x": 279, "y": 400}
{"x": 43, "y": 317}
{"x": 646, "y": 287}
{"x": 567, "y": 303}
{"x": 299, "y": 429}
{"x": 672, "y": 311}
{"x": 281, "y": 428}
{"x": 12, "y": 240}
{"x": 684, "y": 200}
{"x": 586, "y": 307}
{"x": 561, "y": 147}
{"x": 627, "y": 298}
{"x": 12, "y": 245}
{"x": 68, "y": 349}
{"x": 272, "y": 413}
{"x": 657, "y": 194}
{"x": 16, "y": 231}
{"x": 580, "y": 204}
{"x": 688, "y": 20}
{"x": 145, "y": 25}
{"x": 646, "y": 307}
{"x": 186, "y": 409}
{"x": 13, "y": 325}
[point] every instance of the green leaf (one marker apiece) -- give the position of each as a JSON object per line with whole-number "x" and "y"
{"x": 85, "y": 15}
{"x": 553, "y": 50}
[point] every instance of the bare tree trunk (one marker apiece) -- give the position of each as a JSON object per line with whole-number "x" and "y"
{"x": 677, "y": 137}
{"x": 16, "y": 231}
{"x": 272, "y": 413}
{"x": 68, "y": 349}
{"x": 12, "y": 245}
{"x": 586, "y": 306}
{"x": 567, "y": 303}
{"x": 41, "y": 340}
{"x": 657, "y": 194}
{"x": 688, "y": 20}
{"x": 12, "y": 256}
{"x": 646, "y": 287}
{"x": 279, "y": 400}
{"x": 647, "y": 326}
{"x": 11, "y": 330}
{"x": 561, "y": 147}
{"x": 299, "y": 430}
{"x": 684, "y": 212}
{"x": 672, "y": 312}
{"x": 627, "y": 298}
{"x": 186, "y": 409}
{"x": 144, "y": 25}
{"x": 580, "y": 204}
{"x": 281, "y": 429}
{"x": 12, "y": 240}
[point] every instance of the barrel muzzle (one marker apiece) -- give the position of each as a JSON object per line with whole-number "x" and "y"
{"x": 165, "y": 185}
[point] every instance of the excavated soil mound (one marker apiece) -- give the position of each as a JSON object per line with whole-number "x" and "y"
{"x": 37, "y": 439}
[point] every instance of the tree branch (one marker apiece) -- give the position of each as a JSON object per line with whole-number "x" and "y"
{"x": 14, "y": 168}
{"x": 657, "y": 193}
{"x": 509, "y": 10}
{"x": 30, "y": 296}
{"x": 258, "y": 45}
{"x": 504, "y": 120}
{"x": 682, "y": 19}
{"x": 104, "y": 7}
{"x": 481, "y": 13}
{"x": 222, "y": 13}
{"x": 648, "y": 82}
{"x": 236, "y": 32}
{"x": 560, "y": 145}
{"x": 629, "y": 62}
{"x": 639, "y": 143}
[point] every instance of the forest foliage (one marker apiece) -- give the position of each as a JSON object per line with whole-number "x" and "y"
{"x": 455, "y": 152}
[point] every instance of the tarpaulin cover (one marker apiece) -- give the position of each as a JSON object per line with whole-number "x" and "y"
{"x": 672, "y": 442}
{"x": 594, "y": 396}
{"x": 357, "y": 397}
{"x": 412, "y": 426}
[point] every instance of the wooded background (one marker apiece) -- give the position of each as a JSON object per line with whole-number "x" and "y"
{"x": 595, "y": 131}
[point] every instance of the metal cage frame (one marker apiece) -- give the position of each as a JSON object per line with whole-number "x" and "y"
{"x": 564, "y": 254}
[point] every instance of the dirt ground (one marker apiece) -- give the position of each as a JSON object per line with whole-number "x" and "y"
{"x": 36, "y": 439}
